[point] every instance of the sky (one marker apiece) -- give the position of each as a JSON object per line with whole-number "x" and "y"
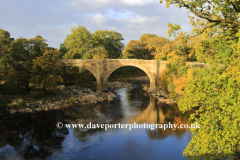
{"x": 53, "y": 19}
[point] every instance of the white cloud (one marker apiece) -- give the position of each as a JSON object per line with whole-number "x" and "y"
{"x": 100, "y": 19}
{"x": 137, "y": 2}
{"x": 54, "y": 19}
{"x": 139, "y": 19}
{"x": 88, "y": 6}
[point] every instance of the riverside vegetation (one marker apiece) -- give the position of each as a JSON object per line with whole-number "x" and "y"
{"x": 214, "y": 94}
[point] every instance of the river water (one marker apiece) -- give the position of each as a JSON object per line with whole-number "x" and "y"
{"x": 35, "y": 135}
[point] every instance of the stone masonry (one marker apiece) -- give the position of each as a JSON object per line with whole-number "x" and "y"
{"x": 102, "y": 68}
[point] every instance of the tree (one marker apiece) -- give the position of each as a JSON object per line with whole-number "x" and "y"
{"x": 153, "y": 44}
{"x": 19, "y": 60}
{"x": 47, "y": 70}
{"x": 79, "y": 44}
{"x": 132, "y": 50}
{"x": 222, "y": 14}
{"x": 216, "y": 94}
{"x": 5, "y": 42}
{"x": 99, "y": 53}
{"x": 146, "y": 48}
{"x": 63, "y": 50}
{"x": 82, "y": 44}
{"x": 213, "y": 93}
{"x": 37, "y": 46}
{"x": 110, "y": 40}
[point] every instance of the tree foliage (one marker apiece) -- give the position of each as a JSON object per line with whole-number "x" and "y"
{"x": 84, "y": 45}
{"x": 79, "y": 43}
{"x": 47, "y": 70}
{"x": 222, "y": 14}
{"x": 110, "y": 40}
{"x": 19, "y": 61}
{"x": 213, "y": 93}
{"x": 5, "y": 42}
{"x": 216, "y": 94}
{"x": 99, "y": 53}
{"x": 147, "y": 47}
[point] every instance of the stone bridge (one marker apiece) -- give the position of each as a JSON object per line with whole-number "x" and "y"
{"x": 102, "y": 68}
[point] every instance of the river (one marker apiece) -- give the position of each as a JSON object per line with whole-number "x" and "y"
{"x": 35, "y": 135}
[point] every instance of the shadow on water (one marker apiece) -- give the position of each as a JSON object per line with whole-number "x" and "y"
{"x": 33, "y": 136}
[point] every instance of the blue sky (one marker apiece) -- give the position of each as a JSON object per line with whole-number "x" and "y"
{"x": 53, "y": 19}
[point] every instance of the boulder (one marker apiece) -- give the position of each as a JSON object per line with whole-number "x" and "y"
{"x": 101, "y": 98}
{"x": 162, "y": 93}
{"x": 145, "y": 87}
{"x": 74, "y": 87}
{"x": 60, "y": 87}
{"x": 90, "y": 99}
{"x": 74, "y": 91}
{"x": 17, "y": 100}
{"x": 167, "y": 101}
{"x": 112, "y": 95}
{"x": 79, "y": 93}
{"x": 109, "y": 98}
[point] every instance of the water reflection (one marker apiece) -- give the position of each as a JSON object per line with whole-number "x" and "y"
{"x": 33, "y": 136}
{"x": 161, "y": 114}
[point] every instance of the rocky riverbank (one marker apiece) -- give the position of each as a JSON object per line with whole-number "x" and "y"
{"x": 65, "y": 96}
{"x": 160, "y": 95}
{"x": 113, "y": 85}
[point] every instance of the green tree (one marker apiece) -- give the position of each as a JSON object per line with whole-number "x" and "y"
{"x": 111, "y": 41}
{"x": 63, "y": 50}
{"x": 222, "y": 14}
{"x": 216, "y": 94}
{"x": 79, "y": 44}
{"x": 84, "y": 45}
{"x": 47, "y": 70}
{"x": 5, "y": 42}
{"x": 99, "y": 53}
{"x": 20, "y": 59}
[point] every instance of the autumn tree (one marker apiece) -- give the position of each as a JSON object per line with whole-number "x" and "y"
{"x": 132, "y": 50}
{"x": 47, "y": 70}
{"x": 146, "y": 48}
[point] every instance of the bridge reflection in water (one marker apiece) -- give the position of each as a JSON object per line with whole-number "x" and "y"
{"x": 34, "y": 136}
{"x": 161, "y": 114}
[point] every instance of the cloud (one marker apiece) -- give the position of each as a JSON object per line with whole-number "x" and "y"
{"x": 89, "y": 6}
{"x": 137, "y": 2}
{"x": 100, "y": 19}
{"x": 54, "y": 19}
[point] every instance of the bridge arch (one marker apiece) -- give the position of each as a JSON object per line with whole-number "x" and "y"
{"x": 110, "y": 71}
{"x": 102, "y": 68}
{"x": 114, "y": 69}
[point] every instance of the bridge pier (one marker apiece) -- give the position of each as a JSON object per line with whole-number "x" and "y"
{"x": 102, "y": 69}
{"x": 102, "y": 83}
{"x": 101, "y": 76}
